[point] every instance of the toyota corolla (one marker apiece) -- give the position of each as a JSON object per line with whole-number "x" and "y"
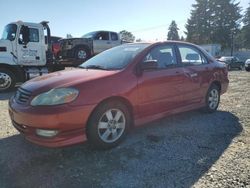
{"x": 116, "y": 90}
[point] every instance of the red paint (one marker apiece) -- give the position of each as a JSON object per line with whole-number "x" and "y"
{"x": 152, "y": 95}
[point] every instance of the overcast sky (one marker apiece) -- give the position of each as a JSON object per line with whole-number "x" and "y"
{"x": 146, "y": 19}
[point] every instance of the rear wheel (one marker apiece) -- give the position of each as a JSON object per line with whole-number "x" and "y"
{"x": 7, "y": 79}
{"x": 108, "y": 125}
{"x": 212, "y": 99}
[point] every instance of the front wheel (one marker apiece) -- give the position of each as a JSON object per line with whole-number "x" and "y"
{"x": 212, "y": 99}
{"x": 82, "y": 54}
{"x": 108, "y": 125}
{"x": 7, "y": 80}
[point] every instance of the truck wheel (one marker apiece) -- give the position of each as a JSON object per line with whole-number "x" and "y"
{"x": 7, "y": 79}
{"x": 81, "y": 54}
{"x": 108, "y": 125}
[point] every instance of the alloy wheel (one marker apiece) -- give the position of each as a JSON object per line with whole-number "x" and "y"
{"x": 213, "y": 98}
{"x": 111, "y": 125}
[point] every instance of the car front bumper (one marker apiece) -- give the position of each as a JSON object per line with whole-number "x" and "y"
{"x": 69, "y": 121}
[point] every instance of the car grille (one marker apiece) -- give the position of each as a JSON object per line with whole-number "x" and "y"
{"x": 22, "y": 96}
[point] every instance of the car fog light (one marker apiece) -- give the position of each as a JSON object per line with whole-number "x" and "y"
{"x": 46, "y": 133}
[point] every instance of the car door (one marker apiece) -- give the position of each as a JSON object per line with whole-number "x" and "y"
{"x": 159, "y": 90}
{"x": 101, "y": 42}
{"x": 196, "y": 71}
{"x": 32, "y": 53}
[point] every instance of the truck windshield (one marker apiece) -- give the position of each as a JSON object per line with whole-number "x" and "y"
{"x": 89, "y": 35}
{"x": 115, "y": 58}
{"x": 9, "y": 32}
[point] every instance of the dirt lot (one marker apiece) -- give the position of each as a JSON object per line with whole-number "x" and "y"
{"x": 187, "y": 150}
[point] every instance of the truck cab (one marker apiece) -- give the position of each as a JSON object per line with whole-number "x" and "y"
{"x": 24, "y": 52}
{"x": 23, "y": 44}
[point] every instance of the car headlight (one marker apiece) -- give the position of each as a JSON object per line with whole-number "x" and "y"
{"x": 55, "y": 97}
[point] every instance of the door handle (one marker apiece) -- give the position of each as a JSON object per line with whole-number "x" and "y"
{"x": 193, "y": 75}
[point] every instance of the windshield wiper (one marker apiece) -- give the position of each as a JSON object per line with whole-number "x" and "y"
{"x": 93, "y": 67}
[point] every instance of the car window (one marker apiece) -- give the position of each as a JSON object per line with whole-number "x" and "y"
{"x": 164, "y": 55}
{"x": 190, "y": 55}
{"x": 34, "y": 35}
{"x": 102, "y": 36}
{"x": 114, "y": 36}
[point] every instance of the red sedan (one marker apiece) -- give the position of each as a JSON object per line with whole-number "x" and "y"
{"x": 123, "y": 87}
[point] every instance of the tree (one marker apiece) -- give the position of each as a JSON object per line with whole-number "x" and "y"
{"x": 213, "y": 21}
{"x": 173, "y": 31}
{"x": 127, "y": 36}
{"x": 198, "y": 25}
{"x": 245, "y": 34}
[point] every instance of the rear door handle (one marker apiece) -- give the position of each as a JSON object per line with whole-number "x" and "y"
{"x": 192, "y": 75}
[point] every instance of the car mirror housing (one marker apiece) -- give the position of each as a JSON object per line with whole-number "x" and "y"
{"x": 149, "y": 65}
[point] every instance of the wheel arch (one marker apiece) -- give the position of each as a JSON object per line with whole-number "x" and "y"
{"x": 120, "y": 99}
{"x": 217, "y": 83}
{"x": 17, "y": 70}
{"x": 83, "y": 46}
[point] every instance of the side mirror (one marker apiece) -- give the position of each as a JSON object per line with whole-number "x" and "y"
{"x": 26, "y": 34}
{"x": 146, "y": 65}
{"x": 149, "y": 65}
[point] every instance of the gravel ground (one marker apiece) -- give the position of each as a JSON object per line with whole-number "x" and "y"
{"x": 192, "y": 149}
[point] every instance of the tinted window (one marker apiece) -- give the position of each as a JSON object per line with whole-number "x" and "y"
{"x": 164, "y": 55}
{"x": 102, "y": 36}
{"x": 34, "y": 35}
{"x": 190, "y": 55}
{"x": 114, "y": 36}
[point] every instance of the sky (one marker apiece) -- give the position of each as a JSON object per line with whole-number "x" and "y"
{"x": 146, "y": 19}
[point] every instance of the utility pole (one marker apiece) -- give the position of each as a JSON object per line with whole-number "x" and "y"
{"x": 232, "y": 42}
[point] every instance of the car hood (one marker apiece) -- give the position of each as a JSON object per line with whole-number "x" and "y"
{"x": 66, "y": 78}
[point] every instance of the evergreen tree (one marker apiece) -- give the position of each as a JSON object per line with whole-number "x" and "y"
{"x": 198, "y": 25}
{"x": 213, "y": 21}
{"x": 245, "y": 32}
{"x": 173, "y": 31}
{"x": 225, "y": 21}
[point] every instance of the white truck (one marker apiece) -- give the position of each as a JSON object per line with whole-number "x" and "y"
{"x": 25, "y": 53}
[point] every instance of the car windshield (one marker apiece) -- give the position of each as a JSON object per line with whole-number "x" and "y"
{"x": 89, "y": 35}
{"x": 115, "y": 58}
{"x": 9, "y": 32}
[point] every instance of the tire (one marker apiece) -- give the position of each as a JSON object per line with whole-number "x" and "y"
{"x": 108, "y": 125}
{"x": 7, "y": 80}
{"x": 212, "y": 99}
{"x": 82, "y": 54}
